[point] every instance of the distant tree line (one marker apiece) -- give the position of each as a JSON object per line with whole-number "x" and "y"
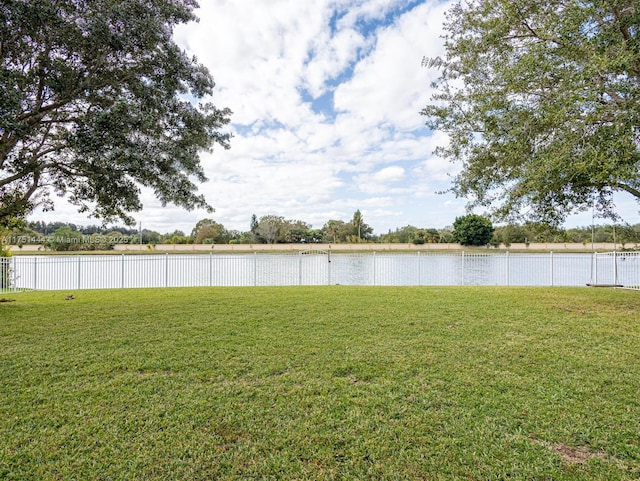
{"x": 536, "y": 232}
{"x": 272, "y": 229}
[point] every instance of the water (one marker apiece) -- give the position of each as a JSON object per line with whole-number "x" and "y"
{"x": 115, "y": 271}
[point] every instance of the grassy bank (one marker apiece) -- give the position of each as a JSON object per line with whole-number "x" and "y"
{"x": 321, "y": 383}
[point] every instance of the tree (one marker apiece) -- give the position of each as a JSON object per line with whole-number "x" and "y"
{"x": 541, "y": 102}
{"x": 97, "y": 242}
{"x": 429, "y": 235}
{"x": 95, "y": 102}
{"x": 336, "y": 231}
{"x": 403, "y": 235}
{"x": 151, "y": 237}
{"x": 175, "y": 237}
{"x": 360, "y": 229}
{"x": 511, "y": 234}
{"x": 410, "y": 234}
{"x": 472, "y": 230}
{"x": 295, "y": 231}
{"x": 357, "y": 223}
{"x": 627, "y": 234}
{"x": 253, "y": 228}
{"x": 65, "y": 239}
{"x": 446, "y": 235}
{"x": 542, "y": 232}
{"x": 269, "y": 227}
{"x": 208, "y": 231}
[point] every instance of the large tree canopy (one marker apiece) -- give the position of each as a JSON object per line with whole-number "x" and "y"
{"x": 541, "y": 101}
{"x": 472, "y": 230}
{"x": 96, "y": 100}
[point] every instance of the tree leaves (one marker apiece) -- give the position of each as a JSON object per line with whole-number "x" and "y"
{"x": 541, "y": 102}
{"x": 472, "y": 230}
{"x": 98, "y": 101}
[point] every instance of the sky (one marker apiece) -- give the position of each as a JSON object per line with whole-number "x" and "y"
{"x": 326, "y": 96}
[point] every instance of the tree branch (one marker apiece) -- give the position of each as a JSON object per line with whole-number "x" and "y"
{"x": 35, "y": 167}
{"x": 41, "y": 111}
{"x": 632, "y": 190}
{"x": 41, "y": 80}
{"x": 533, "y": 32}
{"x": 16, "y": 207}
{"x": 7, "y": 144}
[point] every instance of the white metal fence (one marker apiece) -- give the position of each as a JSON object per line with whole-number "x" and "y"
{"x": 179, "y": 270}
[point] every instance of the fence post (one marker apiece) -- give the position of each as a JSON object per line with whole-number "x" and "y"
{"x": 299, "y": 268}
{"x": 35, "y": 272}
{"x": 79, "y": 274}
{"x": 122, "y": 271}
{"x": 210, "y": 269}
{"x": 255, "y": 268}
{"x": 462, "y": 283}
{"x": 374, "y": 268}
{"x": 551, "y": 266}
{"x": 419, "y": 270}
{"x": 506, "y": 256}
{"x": 166, "y": 270}
{"x": 328, "y": 268}
{"x": 5, "y": 278}
{"x": 15, "y": 276}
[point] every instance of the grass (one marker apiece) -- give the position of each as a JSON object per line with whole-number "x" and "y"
{"x": 321, "y": 383}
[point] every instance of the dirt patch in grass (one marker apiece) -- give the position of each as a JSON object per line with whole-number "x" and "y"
{"x": 573, "y": 454}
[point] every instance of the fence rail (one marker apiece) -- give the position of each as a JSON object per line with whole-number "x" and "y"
{"x": 318, "y": 268}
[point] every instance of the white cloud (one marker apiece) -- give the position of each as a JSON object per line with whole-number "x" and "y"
{"x": 390, "y": 86}
{"x": 282, "y": 66}
{"x": 330, "y": 57}
{"x": 367, "y": 10}
{"x": 286, "y": 158}
{"x": 382, "y": 181}
{"x": 389, "y": 174}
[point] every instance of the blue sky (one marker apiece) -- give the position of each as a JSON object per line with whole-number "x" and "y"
{"x": 326, "y": 98}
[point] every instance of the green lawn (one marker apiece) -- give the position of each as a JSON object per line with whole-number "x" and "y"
{"x": 321, "y": 383}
